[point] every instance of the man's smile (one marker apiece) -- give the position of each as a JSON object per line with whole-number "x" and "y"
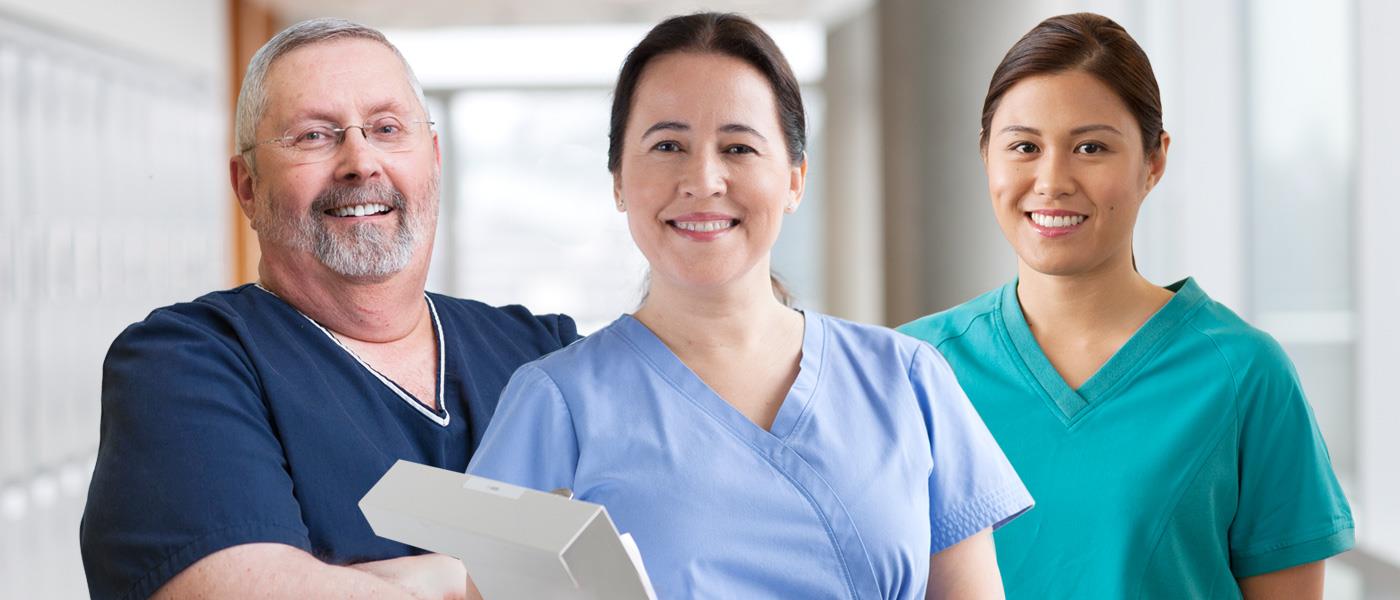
{"x": 360, "y": 210}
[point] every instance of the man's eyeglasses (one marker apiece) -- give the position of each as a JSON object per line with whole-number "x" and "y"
{"x": 316, "y": 142}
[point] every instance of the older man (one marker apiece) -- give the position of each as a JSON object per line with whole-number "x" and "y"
{"x": 239, "y": 430}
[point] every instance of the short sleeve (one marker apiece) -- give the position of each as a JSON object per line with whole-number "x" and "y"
{"x": 531, "y": 440}
{"x": 1291, "y": 507}
{"x": 188, "y": 462}
{"x": 972, "y": 486}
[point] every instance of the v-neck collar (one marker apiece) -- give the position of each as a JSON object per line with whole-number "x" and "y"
{"x": 771, "y": 444}
{"x": 440, "y": 416}
{"x": 1069, "y": 403}
{"x": 795, "y": 403}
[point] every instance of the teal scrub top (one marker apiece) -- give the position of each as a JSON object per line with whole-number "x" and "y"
{"x": 1190, "y": 459}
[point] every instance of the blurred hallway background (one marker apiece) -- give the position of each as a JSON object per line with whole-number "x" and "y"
{"x": 114, "y": 195}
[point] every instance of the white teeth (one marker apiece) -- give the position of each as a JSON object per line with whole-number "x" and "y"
{"x": 360, "y": 210}
{"x": 1049, "y": 221}
{"x": 704, "y": 226}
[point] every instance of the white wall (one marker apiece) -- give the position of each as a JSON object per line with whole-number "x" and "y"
{"x": 190, "y": 33}
{"x": 853, "y": 249}
{"x": 1378, "y": 413}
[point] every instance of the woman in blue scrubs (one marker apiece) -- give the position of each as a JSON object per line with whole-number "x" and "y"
{"x": 1168, "y": 443}
{"x": 752, "y": 450}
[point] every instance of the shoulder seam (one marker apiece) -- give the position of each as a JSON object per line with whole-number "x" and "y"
{"x": 205, "y": 331}
{"x": 1234, "y": 378}
{"x": 968, "y": 327}
{"x": 914, "y": 359}
{"x": 558, "y": 393}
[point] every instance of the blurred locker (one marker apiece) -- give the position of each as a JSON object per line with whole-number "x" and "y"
{"x": 109, "y": 264}
{"x": 24, "y": 240}
{"x": 112, "y": 202}
{"x": 37, "y": 91}
{"x": 12, "y": 401}
{"x": 14, "y": 504}
{"x": 9, "y": 98}
{"x": 64, "y": 150}
{"x": 12, "y": 465}
{"x": 83, "y": 153}
{"x": 55, "y": 341}
{"x": 42, "y": 214}
{"x": 46, "y": 573}
{"x": 105, "y": 142}
{"x": 11, "y": 419}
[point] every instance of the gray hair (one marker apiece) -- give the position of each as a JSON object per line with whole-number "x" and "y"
{"x": 252, "y": 97}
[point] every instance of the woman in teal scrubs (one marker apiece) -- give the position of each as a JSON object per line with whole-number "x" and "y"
{"x": 1168, "y": 444}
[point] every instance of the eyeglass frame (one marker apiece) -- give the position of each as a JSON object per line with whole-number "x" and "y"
{"x": 340, "y": 133}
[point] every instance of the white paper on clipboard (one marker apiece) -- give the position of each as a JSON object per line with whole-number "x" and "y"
{"x": 515, "y": 542}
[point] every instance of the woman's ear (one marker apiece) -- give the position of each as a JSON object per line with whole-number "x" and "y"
{"x": 617, "y": 193}
{"x": 797, "y": 185}
{"x": 1157, "y": 162}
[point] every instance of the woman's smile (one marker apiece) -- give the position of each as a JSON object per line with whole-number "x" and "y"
{"x": 703, "y": 227}
{"x": 1055, "y": 223}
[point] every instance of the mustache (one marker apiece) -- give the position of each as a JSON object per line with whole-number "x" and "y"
{"x": 338, "y": 196}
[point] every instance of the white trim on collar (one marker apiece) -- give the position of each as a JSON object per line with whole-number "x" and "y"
{"x": 443, "y": 419}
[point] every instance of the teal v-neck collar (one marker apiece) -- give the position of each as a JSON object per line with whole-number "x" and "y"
{"x": 1113, "y": 374}
{"x": 794, "y": 405}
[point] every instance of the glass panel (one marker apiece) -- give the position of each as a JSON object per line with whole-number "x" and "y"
{"x": 1301, "y": 141}
{"x": 1301, "y": 150}
{"x": 533, "y": 217}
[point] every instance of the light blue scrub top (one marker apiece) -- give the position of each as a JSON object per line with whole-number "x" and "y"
{"x": 876, "y": 460}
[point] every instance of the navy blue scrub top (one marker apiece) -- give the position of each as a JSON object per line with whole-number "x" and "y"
{"x": 235, "y": 419}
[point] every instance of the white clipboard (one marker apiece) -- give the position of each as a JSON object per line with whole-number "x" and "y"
{"x": 515, "y": 542}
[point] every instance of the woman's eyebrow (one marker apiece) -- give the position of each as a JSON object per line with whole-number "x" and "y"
{"x": 666, "y": 126}
{"x": 1083, "y": 129}
{"x": 741, "y": 128}
{"x": 1019, "y": 129}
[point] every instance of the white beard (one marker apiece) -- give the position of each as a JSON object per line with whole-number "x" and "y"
{"x": 366, "y": 251}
